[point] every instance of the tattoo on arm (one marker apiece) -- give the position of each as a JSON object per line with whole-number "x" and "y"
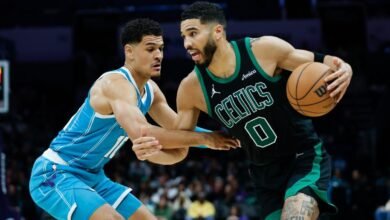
{"x": 290, "y": 209}
{"x": 307, "y": 207}
{"x": 296, "y": 218}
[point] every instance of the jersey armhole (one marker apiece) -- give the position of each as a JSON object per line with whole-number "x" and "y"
{"x": 205, "y": 95}
{"x": 256, "y": 64}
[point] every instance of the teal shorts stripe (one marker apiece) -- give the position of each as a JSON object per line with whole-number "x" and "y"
{"x": 308, "y": 172}
{"x": 311, "y": 178}
{"x": 274, "y": 215}
{"x": 315, "y": 181}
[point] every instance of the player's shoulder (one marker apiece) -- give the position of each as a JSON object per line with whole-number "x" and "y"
{"x": 190, "y": 82}
{"x": 264, "y": 41}
{"x": 109, "y": 78}
{"x": 190, "y": 79}
{"x": 189, "y": 89}
{"x": 152, "y": 83}
{"x": 113, "y": 74}
{"x": 154, "y": 86}
{"x": 270, "y": 47}
{"x": 112, "y": 83}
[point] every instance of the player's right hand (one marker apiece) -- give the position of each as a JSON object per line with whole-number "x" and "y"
{"x": 218, "y": 140}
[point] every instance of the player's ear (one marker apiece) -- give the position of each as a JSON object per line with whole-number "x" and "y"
{"x": 219, "y": 31}
{"x": 129, "y": 51}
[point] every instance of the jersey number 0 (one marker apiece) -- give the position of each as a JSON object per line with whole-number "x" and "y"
{"x": 261, "y": 132}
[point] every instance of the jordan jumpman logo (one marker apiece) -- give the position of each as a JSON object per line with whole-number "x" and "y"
{"x": 213, "y": 91}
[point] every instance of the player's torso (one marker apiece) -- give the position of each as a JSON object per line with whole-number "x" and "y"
{"x": 89, "y": 140}
{"x": 254, "y": 107}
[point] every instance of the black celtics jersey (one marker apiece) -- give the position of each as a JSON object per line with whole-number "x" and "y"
{"x": 254, "y": 108}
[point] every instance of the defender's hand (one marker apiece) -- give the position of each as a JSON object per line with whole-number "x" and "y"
{"x": 145, "y": 147}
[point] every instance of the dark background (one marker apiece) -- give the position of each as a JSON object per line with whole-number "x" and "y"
{"x": 56, "y": 50}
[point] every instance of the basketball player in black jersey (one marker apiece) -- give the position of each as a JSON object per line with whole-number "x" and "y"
{"x": 241, "y": 85}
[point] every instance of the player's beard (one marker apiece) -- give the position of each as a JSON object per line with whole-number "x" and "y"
{"x": 156, "y": 77}
{"x": 208, "y": 51}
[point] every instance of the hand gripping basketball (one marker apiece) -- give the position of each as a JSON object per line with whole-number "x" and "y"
{"x": 306, "y": 90}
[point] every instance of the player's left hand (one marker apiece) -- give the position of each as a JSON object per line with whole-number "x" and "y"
{"x": 145, "y": 147}
{"x": 339, "y": 80}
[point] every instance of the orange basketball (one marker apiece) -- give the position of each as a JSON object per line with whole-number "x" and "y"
{"x": 306, "y": 90}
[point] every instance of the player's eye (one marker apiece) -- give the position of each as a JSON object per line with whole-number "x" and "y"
{"x": 193, "y": 34}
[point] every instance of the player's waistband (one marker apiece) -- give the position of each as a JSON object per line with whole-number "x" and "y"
{"x": 54, "y": 157}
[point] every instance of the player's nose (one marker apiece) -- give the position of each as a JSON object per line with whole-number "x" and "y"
{"x": 187, "y": 43}
{"x": 159, "y": 55}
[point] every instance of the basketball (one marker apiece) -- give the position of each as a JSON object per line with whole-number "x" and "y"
{"x": 306, "y": 90}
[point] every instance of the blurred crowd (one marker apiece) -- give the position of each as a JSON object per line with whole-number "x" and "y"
{"x": 208, "y": 185}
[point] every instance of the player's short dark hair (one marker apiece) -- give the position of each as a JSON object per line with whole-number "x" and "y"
{"x": 136, "y": 29}
{"x": 206, "y": 12}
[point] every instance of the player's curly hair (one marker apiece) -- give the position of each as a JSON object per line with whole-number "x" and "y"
{"x": 136, "y": 29}
{"x": 206, "y": 12}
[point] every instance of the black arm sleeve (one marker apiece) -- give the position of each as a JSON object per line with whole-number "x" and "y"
{"x": 319, "y": 57}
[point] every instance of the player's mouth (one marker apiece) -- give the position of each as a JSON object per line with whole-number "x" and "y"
{"x": 195, "y": 55}
{"x": 156, "y": 67}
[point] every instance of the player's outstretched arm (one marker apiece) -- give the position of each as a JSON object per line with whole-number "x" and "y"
{"x": 114, "y": 94}
{"x": 148, "y": 148}
{"x": 189, "y": 104}
{"x": 163, "y": 114}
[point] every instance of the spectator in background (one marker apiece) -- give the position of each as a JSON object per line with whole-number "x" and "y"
{"x": 339, "y": 192}
{"x": 163, "y": 210}
{"x": 235, "y": 214}
{"x": 180, "y": 206}
{"x": 383, "y": 212}
{"x": 6, "y": 211}
{"x": 139, "y": 171}
{"x": 362, "y": 201}
{"x": 201, "y": 209}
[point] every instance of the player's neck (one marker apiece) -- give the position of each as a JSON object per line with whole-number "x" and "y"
{"x": 139, "y": 79}
{"x": 223, "y": 63}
